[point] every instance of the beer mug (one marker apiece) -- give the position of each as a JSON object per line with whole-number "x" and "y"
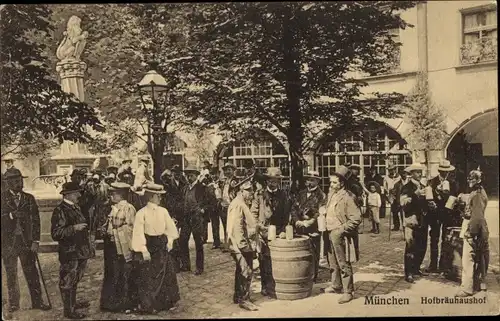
{"x": 445, "y": 186}
{"x": 450, "y": 203}
{"x": 429, "y": 195}
{"x": 289, "y": 232}
{"x": 271, "y": 233}
{"x": 321, "y": 223}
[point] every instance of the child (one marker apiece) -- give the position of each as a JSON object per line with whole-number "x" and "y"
{"x": 374, "y": 203}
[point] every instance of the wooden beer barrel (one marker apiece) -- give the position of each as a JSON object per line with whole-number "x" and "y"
{"x": 292, "y": 264}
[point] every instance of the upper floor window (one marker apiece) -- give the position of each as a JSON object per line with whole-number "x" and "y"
{"x": 479, "y": 35}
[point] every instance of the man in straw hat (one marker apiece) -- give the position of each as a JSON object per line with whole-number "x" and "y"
{"x": 70, "y": 229}
{"x": 196, "y": 203}
{"x": 476, "y": 254}
{"x": 152, "y": 238}
{"x": 271, "y": 207}
{"x": 439, "y": 217}
{"x": 306, "y": 212}
{"x": 124, "y": 173}
{"x": 240, "y": 229}
{"x": 229, "y": 191}
{"x": 343, "y": 217}
{"x": 415, "y": 207}
{"x": 20, "y": 239}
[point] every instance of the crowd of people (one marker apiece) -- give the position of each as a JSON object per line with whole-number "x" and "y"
{"x": 146, "y": 227}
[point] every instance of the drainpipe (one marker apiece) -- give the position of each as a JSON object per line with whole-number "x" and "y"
{"x": 423, "y": 65}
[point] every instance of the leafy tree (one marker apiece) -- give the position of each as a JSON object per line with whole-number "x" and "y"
{"x": 427, "y": 120}
{"x": 124, "y": 41}
{"x": 290, "y": 67}
{"x": 34, "y": 109}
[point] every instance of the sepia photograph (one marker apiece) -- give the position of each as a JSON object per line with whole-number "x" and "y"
{"x": 209, "y": 160}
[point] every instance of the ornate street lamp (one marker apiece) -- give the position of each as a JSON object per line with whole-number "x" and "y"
{"x": 153, "y": 84}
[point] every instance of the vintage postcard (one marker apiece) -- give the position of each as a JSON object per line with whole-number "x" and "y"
{"x": 249, "y": 160}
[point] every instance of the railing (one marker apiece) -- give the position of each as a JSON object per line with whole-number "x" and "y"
{"x": 482, "y": 50}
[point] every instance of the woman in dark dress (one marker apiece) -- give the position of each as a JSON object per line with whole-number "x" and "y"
{"x": 119, "y": 291}
{"x": 153, "y": 237}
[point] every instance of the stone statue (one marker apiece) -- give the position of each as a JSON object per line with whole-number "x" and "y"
{"x": 74, "y": 41}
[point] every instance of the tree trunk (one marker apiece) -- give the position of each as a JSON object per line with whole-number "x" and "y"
{"x": 296, "y": 166}
{"x": 158, "y": 159}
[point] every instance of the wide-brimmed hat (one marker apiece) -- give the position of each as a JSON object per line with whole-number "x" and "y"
{"x": 70, "y": 187}
{"x": 8, "y": 158}
{"x": 273, "y": 172}
{"x": 228, "y": 164}
{"x": 12, "y": 173}
{"x": 144, "y": 158}
{"x": 191, "y": 170}
{"x": 354, "y": 166}
{"x": 377, "y": 185}
{"x": 342, "y": 172}
{"x": 119, "y": 186}
{"x": 126, "y": 160}
{"x": 154, "y": 188}
{"x": 312, "y": 174}
{"x": 445, "y": 166}
{"x": 414, "y": 167}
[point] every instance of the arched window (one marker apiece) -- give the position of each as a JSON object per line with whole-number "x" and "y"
{"x": 375, "y": 144}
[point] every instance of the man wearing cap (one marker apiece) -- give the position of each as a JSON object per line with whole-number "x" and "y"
{"x": 118, "y": 291}
{"x": 152, "y": 238}
{"x": 306, "y": 212}
{"x": 240, "y": 228}
{"x": 415, "y": 207}
{"x": 196, "y": 203}
{"x": 343, "y": 217}
{"x": 396, "y": 204}
{"x": 439, "y": 217}
{"x": 273, "y": 206}
{"x": 20, "y": 239}
{"x": 229, "y": 191}
{"x": 70, "y": 229}
{"x": 476, "y": 254}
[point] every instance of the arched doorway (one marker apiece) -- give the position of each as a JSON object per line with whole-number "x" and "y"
{"x": 373, "y": 144}
{"x": 265, "y": 149}
{"x": 475, "y": 143}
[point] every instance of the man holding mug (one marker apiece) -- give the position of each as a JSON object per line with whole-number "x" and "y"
{"x": 439, "y": 217}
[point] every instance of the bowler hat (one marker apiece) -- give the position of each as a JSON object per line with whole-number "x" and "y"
{"x": 119, "y": 186}
{"x": 12, "y": 173}
{"x": 273, "y": 172}
{"x": 126, "y": 160}
{"x": 154, "y": 188}
{"x": 414, "y": 167}
{"x": 70, "y": 187}
{"x": 191, "y": 170}
{"x": 312, "y": 174}
{"x": 354, "y": 166}
{"x": 342, "y": 172}
{"x": 445, "y": 166}
{"x": 228, "y": 164}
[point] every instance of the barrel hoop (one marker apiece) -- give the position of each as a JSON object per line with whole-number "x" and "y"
{"x": 290, "y": 259}
{"x": 307, "y": 279}
{"x": 289, "y": 249}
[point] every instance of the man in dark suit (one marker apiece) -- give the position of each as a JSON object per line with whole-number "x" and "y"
{"x": 20, "y": 239}
{"x": 70, "y": 229}
{"x": 415, "y": 208}
{"x": 439, "y": 217}
{"x": 306, "y": 211}
{"x": 196, "y": 203}
{"x": 396, "y": 204}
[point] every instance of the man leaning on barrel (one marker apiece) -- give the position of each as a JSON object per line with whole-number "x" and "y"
{"x": 343, "y": 217}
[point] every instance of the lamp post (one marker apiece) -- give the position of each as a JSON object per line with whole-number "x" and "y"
{"x": 153, "y": 84}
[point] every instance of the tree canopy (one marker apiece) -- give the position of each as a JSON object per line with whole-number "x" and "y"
{"x": 34, "y": 109}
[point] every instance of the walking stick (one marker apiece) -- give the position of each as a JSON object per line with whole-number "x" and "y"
{"x": 43, "y": 280}
{"x": 390, "y": 219}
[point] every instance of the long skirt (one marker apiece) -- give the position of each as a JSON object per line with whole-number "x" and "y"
{"x": 158, "y": 288}
{"x": 119, "y": 289}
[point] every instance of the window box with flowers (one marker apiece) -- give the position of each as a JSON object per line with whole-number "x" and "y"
{"x": 479, "y": 41}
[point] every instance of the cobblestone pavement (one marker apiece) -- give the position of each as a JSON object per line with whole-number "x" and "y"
{"x": 379, "y": 272}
